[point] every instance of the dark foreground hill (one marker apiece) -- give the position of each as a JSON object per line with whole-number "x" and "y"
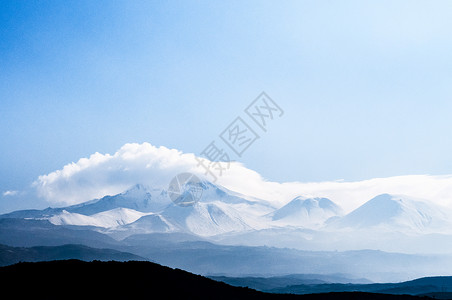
{"x": 133, "y": 279}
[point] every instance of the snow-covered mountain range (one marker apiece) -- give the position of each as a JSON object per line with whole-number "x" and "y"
{"x": 228, "y": 217}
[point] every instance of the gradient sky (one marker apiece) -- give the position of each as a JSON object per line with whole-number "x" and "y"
{"x": 365, "y": 85}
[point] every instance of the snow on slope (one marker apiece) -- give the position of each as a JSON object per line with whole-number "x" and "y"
{"x": 205, "y": 219}
{"x": 111, "y": 218}
{"x": 251, "y": 210}
{"x": 306, "y": 212}
{"x": 151, "y": 223}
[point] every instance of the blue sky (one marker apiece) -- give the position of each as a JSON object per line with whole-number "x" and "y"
{"x": 365, "y": 85}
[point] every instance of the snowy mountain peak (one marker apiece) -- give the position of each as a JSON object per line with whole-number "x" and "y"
{"x": 138, "y": 190}
{"x": 306, "y": 212}
{"x": 394, "y": 211}
{"x": 139, "y": 198}
{"x": 141, "y": 209}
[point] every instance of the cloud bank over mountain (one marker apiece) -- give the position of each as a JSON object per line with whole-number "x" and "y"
{"x": 110, "y": 174}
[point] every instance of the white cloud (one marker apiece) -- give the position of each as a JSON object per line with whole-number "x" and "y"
{"x": 105, "y": 174}
{"x": 10, "y": 193}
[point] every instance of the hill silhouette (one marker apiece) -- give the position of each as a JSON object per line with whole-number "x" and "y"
{"x": 133, "y": 279}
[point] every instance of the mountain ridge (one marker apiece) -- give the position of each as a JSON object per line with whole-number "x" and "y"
{"x": 393, "y": 223}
